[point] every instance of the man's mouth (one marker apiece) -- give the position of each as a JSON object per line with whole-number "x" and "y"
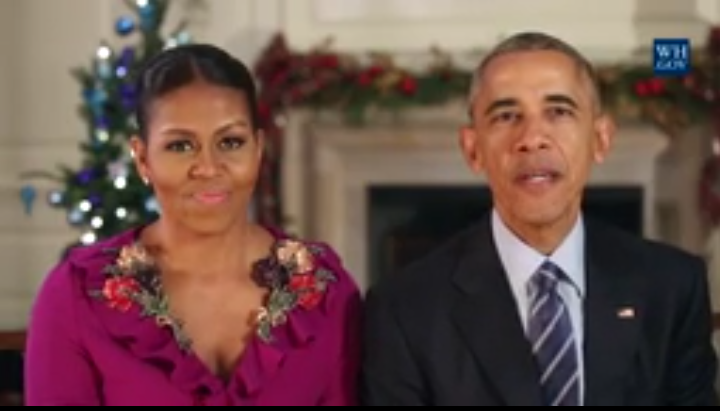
{"x": 538, "y": 177}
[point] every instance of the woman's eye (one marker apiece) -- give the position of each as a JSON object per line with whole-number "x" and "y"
{"x": 180, "y": 146}
{"x": 231, "y": 143}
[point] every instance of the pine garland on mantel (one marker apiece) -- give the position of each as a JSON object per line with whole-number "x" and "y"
{"x": 351, "y": 85}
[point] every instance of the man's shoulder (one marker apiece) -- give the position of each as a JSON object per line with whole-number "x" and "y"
{"x": 678, "y": 270}
{"x": 657, "y": 248}
{"x": 657, "y": 258}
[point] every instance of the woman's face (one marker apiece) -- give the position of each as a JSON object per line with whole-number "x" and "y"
{"x": 201, "y": 156}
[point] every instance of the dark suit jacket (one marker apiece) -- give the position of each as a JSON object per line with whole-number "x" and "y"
{"x": 446, "y": 331}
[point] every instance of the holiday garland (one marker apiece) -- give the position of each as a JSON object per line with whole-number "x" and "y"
{"x": 352, "y": 85}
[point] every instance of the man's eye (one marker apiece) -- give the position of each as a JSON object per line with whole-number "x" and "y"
{"x": 505, "y": 117}
{"x": 560, "y": 112}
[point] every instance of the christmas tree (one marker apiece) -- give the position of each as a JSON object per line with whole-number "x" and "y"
{"x": 104, "y": 194}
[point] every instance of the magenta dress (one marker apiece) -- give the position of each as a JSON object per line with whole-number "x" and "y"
{"x": 84, "y": 351}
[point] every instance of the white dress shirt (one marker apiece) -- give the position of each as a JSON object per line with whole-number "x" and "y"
{"x": 521, "y": 262}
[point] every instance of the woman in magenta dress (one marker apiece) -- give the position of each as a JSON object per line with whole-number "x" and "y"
{"x": 202, "y": 306}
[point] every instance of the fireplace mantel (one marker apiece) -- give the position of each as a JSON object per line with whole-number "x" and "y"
{"x": 328, "y": 166}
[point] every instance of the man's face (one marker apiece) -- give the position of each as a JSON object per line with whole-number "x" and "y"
{"x": 536, "y": 132}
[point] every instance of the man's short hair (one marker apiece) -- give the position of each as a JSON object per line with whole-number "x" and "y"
{"x": 535, "y": 41}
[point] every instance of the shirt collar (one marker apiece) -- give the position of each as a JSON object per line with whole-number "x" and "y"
{"x": 521, "y": 261}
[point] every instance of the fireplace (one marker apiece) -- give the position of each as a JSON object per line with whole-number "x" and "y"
{"x": 406, "y": 222}
{"x": 363, "y": 188}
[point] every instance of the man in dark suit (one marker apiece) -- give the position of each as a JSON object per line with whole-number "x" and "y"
{"x": 536, "y": 304}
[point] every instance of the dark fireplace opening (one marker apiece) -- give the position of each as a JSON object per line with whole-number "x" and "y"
{"x": 406, "y": 222}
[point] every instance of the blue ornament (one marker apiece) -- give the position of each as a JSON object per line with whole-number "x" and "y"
{"x": 124, "y": 62}
{"x": 128, "y": 97}
{"x": 85, "y": 176}
{"x": 148, "y": 11}
{"x": 124, "y": 26}
{"x": 95, "y": 98}
{"x": 127, "y": 56}
{"x": 95, "y": 200}
{"x": 102, "y": 122}
{"x": 28, "y": 194}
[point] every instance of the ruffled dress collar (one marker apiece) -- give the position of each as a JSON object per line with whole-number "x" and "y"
{"x": 155, "y": 344}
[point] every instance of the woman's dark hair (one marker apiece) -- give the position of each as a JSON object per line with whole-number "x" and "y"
{"x": 177, "y": 67}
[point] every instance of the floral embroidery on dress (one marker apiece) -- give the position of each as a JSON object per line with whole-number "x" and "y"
{"x": 134, "y": 279}
{"x": 291, "y": 273}
{"x": 295, "y": 280}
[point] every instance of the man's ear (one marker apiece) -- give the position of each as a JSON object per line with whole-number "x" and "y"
{"x": 139, "y": 153}
{"x": 604, "y": 137}
{"x": 469, "y": 140}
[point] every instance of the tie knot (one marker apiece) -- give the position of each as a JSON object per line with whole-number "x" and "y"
{"x": 547, "y": 277}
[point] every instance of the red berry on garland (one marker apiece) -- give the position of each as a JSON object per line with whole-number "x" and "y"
{"x": 408, "y": 85}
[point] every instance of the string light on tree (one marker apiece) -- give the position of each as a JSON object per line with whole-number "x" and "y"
{"x": 88, "y": 238}
{"x": 85, "y": 206}
{"x": 102, "y": 135}
{"x": 55, "y": 198}
{"x": 104, "y": 52}
{"x": 121, "y": 213}
{"x": 120, "y": 183}
{"x": 96, "y": 223}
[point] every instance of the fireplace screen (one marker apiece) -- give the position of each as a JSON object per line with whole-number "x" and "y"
{"x": 407, "y": 222}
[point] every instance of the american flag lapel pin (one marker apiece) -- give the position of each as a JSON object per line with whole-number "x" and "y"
{"x": 626, "y": 313}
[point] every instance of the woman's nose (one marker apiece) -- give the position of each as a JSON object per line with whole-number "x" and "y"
{"x": 207, "y": 165}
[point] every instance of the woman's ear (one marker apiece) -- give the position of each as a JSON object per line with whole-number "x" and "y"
{"x": 139, "y": 154}
{"x": 260, "y": 141}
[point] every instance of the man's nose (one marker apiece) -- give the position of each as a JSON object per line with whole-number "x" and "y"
{"x": 533, "y": 135}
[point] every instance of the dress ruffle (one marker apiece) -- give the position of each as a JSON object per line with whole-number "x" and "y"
{"x": 156, "y": 345}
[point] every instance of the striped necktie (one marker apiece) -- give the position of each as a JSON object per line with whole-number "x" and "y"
{"x": 553, "y": 342}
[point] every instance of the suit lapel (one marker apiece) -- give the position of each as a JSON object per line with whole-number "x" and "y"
{"x": 613, "y": 313}
{"x": 487, "y": 319}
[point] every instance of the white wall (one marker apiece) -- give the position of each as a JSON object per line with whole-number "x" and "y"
{"x": 5, "y": 44}
{"x": 7, "y": 164}
{"x": 606, "y": 29}
{"x": 41, "y": 40}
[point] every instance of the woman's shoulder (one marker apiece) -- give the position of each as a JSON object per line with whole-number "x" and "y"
{"x": 329, "y": 259}
{"x": 83, "y": 264}
{"x": 66, "y": 287}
